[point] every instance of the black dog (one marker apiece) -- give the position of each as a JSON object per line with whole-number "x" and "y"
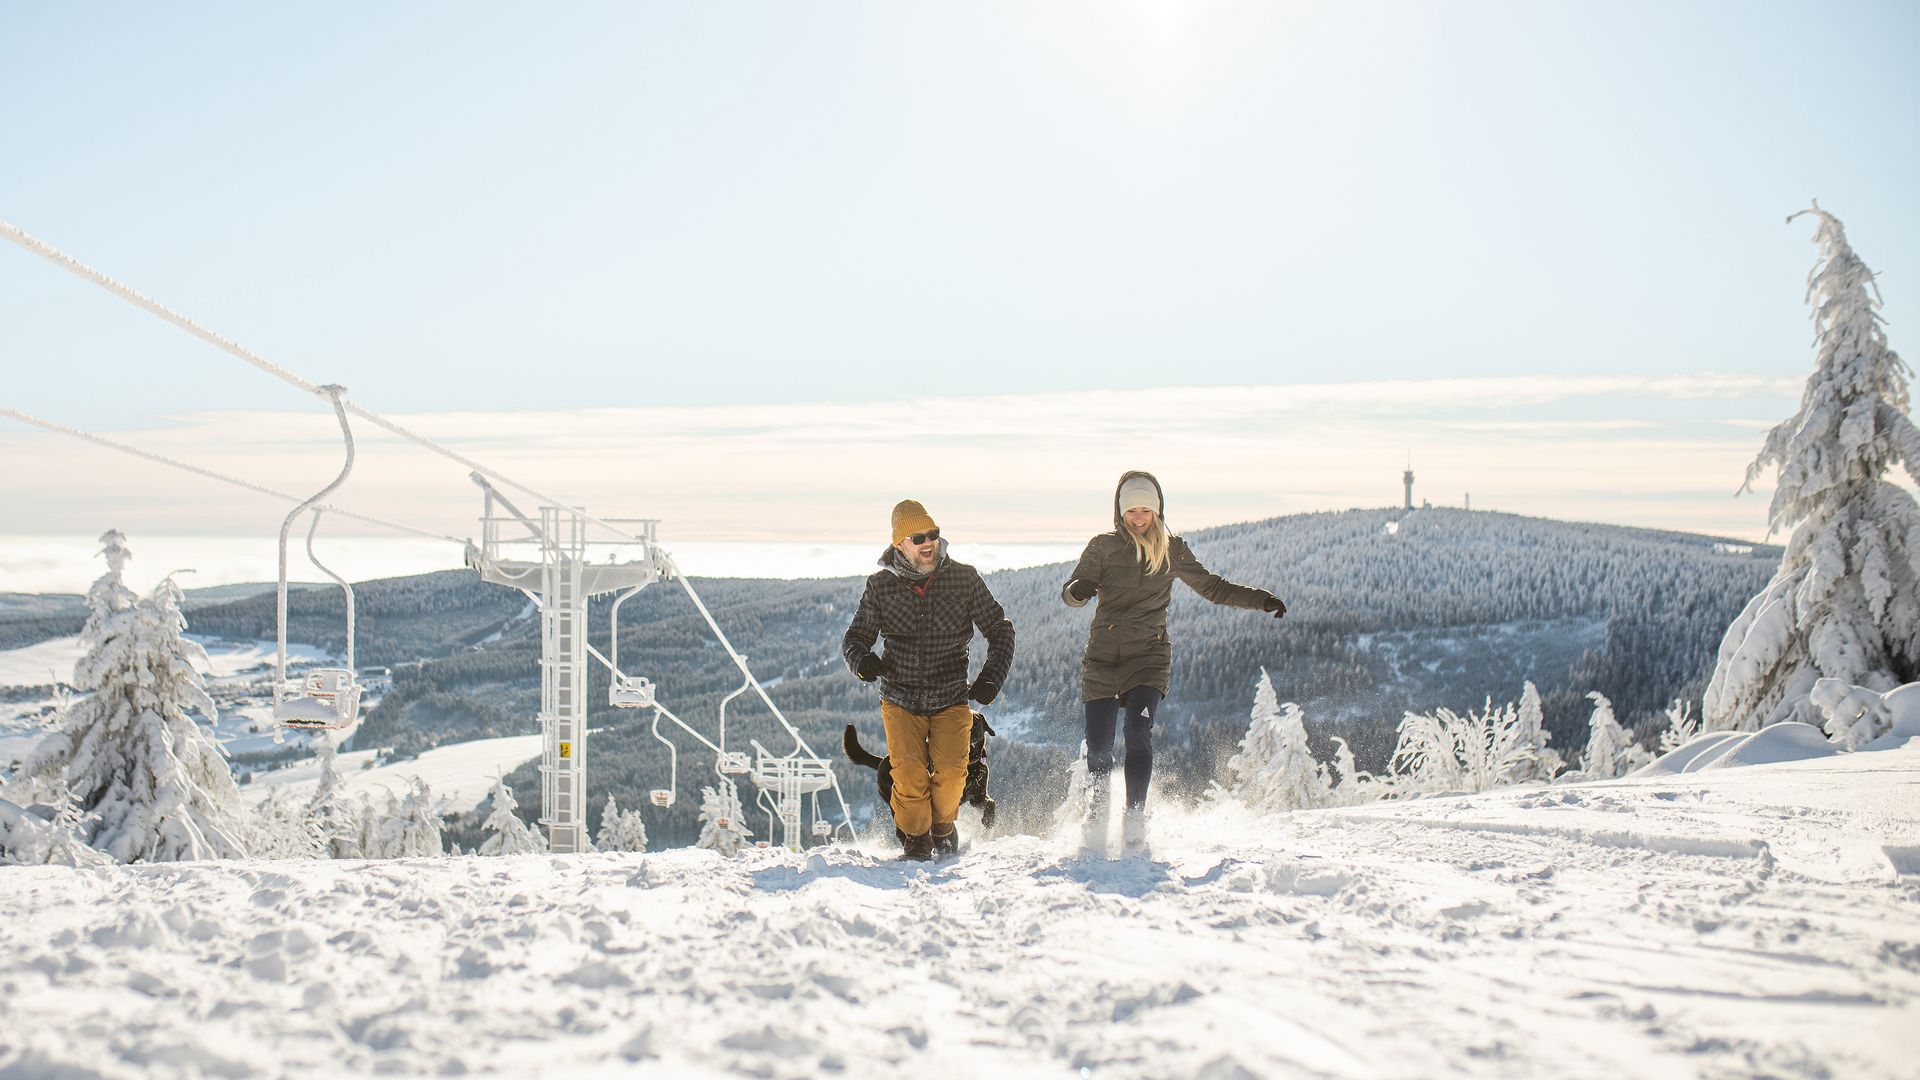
{"x": 975, "y": 792}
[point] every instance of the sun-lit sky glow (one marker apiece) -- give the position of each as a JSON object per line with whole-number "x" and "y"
{"x": 761, "y": 269}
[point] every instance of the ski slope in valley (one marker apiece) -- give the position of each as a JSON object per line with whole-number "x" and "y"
{"x": 1755, "y": 920}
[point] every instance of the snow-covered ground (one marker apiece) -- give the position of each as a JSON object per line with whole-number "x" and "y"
{"x": 459, "y": 774}
{"x": 1747, "y": 921}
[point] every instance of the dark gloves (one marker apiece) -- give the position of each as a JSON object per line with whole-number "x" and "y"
{"x": 984, "y": 690}
{"x": 1274, "y": 604}
{"x": 871, "y": 667}
{"x": 1081, "y": 590}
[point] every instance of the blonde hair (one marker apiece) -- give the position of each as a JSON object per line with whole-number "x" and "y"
{"x": 1152, "y": 548}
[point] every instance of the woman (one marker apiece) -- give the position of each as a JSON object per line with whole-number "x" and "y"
{"x": 1129, "y": 659}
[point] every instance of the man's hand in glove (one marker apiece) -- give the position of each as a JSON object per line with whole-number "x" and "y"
{"x": 983, "y": 691}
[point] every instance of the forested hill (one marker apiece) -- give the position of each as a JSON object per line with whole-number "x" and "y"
{"x": 1450, "y": 608}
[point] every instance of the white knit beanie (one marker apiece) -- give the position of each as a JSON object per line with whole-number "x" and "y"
{"x": 1139, "y": 491}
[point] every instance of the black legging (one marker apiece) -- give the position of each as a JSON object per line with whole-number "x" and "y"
{"x": 1140, "y": 703}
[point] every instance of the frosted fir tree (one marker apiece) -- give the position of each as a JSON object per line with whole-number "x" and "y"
{"x": 1531, "y": 730}
{"x": 283, "y": 829}
{"x": 1845, "y": 603}
{"x": 721, "y": 826}
{"x": 29, "y": 840}
{"x": 1346, "y": 784}
{"x": 1854, "y": 715}
{"x": 508, "y": 834}
{"x": 1611, "y": 752}
{"x": 621, "y": 830}
{"x": 153, "y": 785}
{"x": 1682, "y": 726}
{"x": 340, "y": 821}
{"x": 1274, "y": 769}
{"x": 1423, "y": 756}
{"x": 1445, "y": 751}
{"x": 406, "y": 828}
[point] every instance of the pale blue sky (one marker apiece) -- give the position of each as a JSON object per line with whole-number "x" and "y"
{"x": 496, "y": 208}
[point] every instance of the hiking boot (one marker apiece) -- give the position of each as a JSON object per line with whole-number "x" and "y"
{"x": 946, "y": 845}
{"x": 1133, "y": 832}
{"x": 1093, "y": 837}
{"x": 918, "y": 848}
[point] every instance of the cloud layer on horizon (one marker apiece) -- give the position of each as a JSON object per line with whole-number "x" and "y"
{"x": 1662, "y": 451}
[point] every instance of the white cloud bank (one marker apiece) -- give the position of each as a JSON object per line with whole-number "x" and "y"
{"x": 1004, "y": 469}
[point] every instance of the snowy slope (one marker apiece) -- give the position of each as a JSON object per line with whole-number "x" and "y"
{"x": 459, "y": 773}
{"x": 52, "y": 661}
{"x": 1760, "y": 920}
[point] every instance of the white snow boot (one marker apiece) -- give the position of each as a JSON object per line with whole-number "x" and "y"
{"x": 1093, "y": 840}
{"x": 1133, "y": 832}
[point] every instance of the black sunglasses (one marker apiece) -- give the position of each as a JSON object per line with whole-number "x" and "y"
{"x": 925, "y": 537}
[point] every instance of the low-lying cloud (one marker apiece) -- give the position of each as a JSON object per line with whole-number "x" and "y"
{"x": 1657, "y": 451}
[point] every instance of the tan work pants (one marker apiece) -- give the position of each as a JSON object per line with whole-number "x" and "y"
{"x": 918, "y": 744}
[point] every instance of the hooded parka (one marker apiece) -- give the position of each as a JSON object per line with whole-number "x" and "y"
{"x": 1127, "y": 645}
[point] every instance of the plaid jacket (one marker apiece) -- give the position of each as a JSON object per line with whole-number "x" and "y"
{"x": 927, "y": 636}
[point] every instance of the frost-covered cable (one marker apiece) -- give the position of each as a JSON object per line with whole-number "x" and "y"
{"x": 286, "y": 526}
{"x": 228, "y": 345}
{"x": 211, "y": 474}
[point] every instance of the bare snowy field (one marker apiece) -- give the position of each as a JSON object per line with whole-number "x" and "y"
{"x": 459, "y": 774}
{"x": 1751, "y": 921}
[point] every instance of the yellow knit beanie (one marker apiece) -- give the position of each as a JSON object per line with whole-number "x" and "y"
{"x": 910, "y": 517}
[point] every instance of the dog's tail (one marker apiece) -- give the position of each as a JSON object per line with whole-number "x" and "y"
{"x": 850, "y": 742}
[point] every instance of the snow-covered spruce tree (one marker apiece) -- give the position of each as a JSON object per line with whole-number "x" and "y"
{"x": 1531, "y": 730}
{"x": 1274, "y": 770}
{"x": 404, "y": 828}
{"x": 341, "y": 821}
{"x": 153, "y": 786}
{"x": 1853, "y": 715}
{"x": 721, "y": 826}
{"x": 1682, "y": 726}
{"x": 1845, "y": 603}
{"x": 27, "y": 839}
{"x": 621, "y": 830}
{"x": 282, "y": 829}
{"x": 1445, "y": 751}
{"x": 1611, "y": 752}
{"x": 1346, "y": 784}
{"x": 508, "y": 834}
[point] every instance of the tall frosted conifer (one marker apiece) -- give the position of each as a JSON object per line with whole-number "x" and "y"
{"x": 1844, "y": 603}
{"x": 1274, "y": 770}
{"x": 508, "y": 835}
{"x": 150, "y": 784}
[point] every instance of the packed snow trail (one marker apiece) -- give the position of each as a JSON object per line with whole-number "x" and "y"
{"x": 1761, "y": 920}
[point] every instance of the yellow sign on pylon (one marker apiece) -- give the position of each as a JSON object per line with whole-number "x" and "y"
{"x": 566, "y": 749}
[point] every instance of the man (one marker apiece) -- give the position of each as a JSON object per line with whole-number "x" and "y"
{"x": 927, "y": 607}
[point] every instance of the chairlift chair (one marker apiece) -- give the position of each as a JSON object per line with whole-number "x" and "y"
{"x": 624, "y": 691}
{"x": 663, "y": 797}
{"x": 329, "y": 700}
{"x": 630, "y": 692}
{"x": 735, "y": 763}
{"x": 326, "y": 698}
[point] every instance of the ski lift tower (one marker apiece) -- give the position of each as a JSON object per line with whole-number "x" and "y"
{"x": 554, "y": 572}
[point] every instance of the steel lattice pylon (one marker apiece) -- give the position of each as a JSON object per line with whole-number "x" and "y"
{"x": 560, "y": 584}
